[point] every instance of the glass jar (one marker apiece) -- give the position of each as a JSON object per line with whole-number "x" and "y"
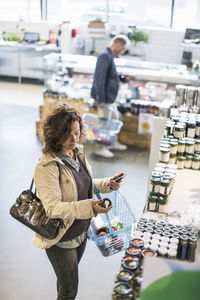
{"x": 197, "y": 129}
{"x": 137, "y": 243}
{"x": 181, "y": 146}
{"x": 188, "y": 161}
{"x": 162, "y": 204}
{"x": 171, "y": 253}
{"x": 173, "y": 147}
{"x": 164, "y": 154}
{"x": 173, "y": 246}
{"x": 172, "y": 158}
{"x": 169, "y": 127}
{"x": 191, "y": 128}
{"x": 161, "y": 165}
{"x": 162, "y": 251}
{"x": 156, "y": 236}
{"x": 148, "y": 253}
{"x": 192, "y": 249}
{"x": 182, "y": 248}
{"x": 164, "y": 187}
{"x": 197, "y": 145}
{"x": 165, "y": 239}
{"x": 195, "y": 163}
{"x": 189, "y": 148}
{"x": 179, "y": 131}
{"x": 152, "y": 202}
{"x": 122, "y": 290}
{"x": 181, "y": 162}
{"x": 154, "y": 185}
{"x": 125, "y": 276}
{"x": 133, "y": 251}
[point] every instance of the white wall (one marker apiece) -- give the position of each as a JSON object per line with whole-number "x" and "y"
{"x": 165, "y": 45}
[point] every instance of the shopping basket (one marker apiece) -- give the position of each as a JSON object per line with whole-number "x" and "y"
{"x": 101, "y": 130}
{"x": 119, "y": 221}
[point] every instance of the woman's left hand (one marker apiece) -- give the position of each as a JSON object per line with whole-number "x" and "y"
{"x": 114, "y": 185}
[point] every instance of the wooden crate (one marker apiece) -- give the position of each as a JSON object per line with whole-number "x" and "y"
{"x": 129, "y": 133}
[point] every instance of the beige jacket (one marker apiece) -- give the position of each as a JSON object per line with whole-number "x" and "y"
{"x": 60, "y": 198}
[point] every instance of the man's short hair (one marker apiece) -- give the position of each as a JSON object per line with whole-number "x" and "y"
{"x": 121, "y": 38}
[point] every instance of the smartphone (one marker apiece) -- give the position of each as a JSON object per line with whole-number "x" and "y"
{"x": 120, "y": 178}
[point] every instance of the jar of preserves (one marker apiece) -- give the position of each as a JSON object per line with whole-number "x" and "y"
{"x": 188, "y": 161}
{"x": 156, "y": 236}
{"x": 181, "y": 162}
{"x": 164, "y": 187}
{"x": 154, "y": 185}
{"x": 191, "y": 128}
{"x": 162, "y": 251}
{"x": 173, "y": 147}
{"x": 191, "y": 249}
{"x": 197, "y": 129}
{"x": 152, "y": 202}
{"x": 164, "y": 154}
{"x": 169, "y": 128}
{"x": 189, "y": 148}
{"x": 197, "y": 145}
{"x": 125, "y": 276}
{"x": 172, "y": 158}
{"x": 171, "y": 253}
{"x": 162, "y": 201}
{"x": 122, "y": 290}
{"x": 148, "y": 253}
{"x": 182, "y": 248}
{"x": 137, "y": 243}
{"x": 181, "y": 146}
{"x": 130, "y": 264}
{"x": 195, "y": 163}
{"x": 179, "y": 131}
{"x": 133, "y": 251}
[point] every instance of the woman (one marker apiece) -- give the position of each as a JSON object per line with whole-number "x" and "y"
{"x": 63, "y": 179}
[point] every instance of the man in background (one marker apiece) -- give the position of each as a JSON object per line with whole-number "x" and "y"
{"x": 106, "y": 85}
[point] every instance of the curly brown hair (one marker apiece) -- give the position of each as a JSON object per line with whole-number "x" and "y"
{"x": 57, "y": 128}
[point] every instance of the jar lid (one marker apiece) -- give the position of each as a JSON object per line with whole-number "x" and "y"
{"x": 167, "y": 176}
{"x": 161, "y": 165}
{"x": 189, "y": 157}
{"x": 165, "y": 182}
{"x": 173, "y": 156}
{"x": 153, "y": 197}
{"x": 167, "y": 233}
{"x": 133, "y": 250}
{"x": 156, "y": 236}
{"x": 155, "y": 179}
{"x": 180, "y": 157}
{"x": 162, "y": 200}
{"x": 125, "y": 275}
{"x": 174, "y": 240}
{"x": 123, "y": 289}
{"x": 172, "y": 252}
{"x": 193, "y": 239}
{"x": 195, "y": 158}
{"x": 137, "y": 243}
{"x": 162, "y": 223}
{"x": 189, "y": 142}
{"x": 148, "y": 253}
{"x": 159, "y": 169}
{"x": 164, "y": 149}
{"x": 182, "y": 142}
{"x": 179, "y": 127}
{"x": 163, "y": 145}
{"x": 184, "y": 237}
{"x": 162, "y": 250}
{"x": 156, "y": 174}
{"x": 197, "y": 141}
{"x": 130, "y": 264}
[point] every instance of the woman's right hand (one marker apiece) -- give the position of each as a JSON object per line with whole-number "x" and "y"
{"x": 99, "y": 209}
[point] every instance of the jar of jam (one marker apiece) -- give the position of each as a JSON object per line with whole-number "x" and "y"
{"x": 181, "y": 162}
{"x": 182, "y": 248}
{"x": 122, "y": 290}
{"x": 179, "y": 131}
{"x": 171, "y": 253}
{"x": 189, "y": 148}
{"x": 197, "y": 145}
{"x": 133, "y": 251}
{"x": 191, "y": 128}
{"x": 173, "y": 147}
{"x": 164, "y": 187}
{"x": 162, "y": 251}
{"x": 130, "y": 264}
{"x": 148, "y": 253}
{"x": 164, "y": 154}
{"x": 197, "y": 129}
{"x": 162, "y": 201}
{"x": 126, "y": 276}
{"x": 172, "y": 158}
{"x": 169, "y": 128}
{"x": 181, "y": 146}
{"x": 192, "y": 249}
{"x": 152, "y": 202}
{"x": 188, "y": 161}
{"x": 137, "y": 243}
{"x": 195, "y": 163}
{"x": 154, "y": 185}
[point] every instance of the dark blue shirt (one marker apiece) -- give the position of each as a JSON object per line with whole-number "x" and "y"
{"x": 106, "y": 79}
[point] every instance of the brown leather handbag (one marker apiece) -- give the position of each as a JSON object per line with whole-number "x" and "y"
{"x": 28, "y": 210}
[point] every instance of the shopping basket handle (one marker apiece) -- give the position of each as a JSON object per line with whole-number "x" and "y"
{"x": 99, "y": 198}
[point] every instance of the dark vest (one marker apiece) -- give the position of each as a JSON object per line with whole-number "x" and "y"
{"x": 84, "y": 186}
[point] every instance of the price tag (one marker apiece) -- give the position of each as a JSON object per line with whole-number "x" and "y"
{"x": 145, "y": 123}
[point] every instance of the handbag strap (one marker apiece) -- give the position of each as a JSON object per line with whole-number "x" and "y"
{"x": 97, "y": 192}
{"x": 31, "y": 186}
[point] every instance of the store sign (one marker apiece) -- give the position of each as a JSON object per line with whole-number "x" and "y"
{"x": 145, "y": 123}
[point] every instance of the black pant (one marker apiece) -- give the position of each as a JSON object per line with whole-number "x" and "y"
{"x": 65, "y": 264}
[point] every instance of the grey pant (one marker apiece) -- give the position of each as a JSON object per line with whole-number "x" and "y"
{"x": 65, "y": 264}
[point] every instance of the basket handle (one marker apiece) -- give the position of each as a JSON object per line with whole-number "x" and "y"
{"x": 107, "y": 217}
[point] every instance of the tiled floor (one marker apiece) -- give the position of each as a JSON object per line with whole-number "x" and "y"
{"x": 25, "y": 272}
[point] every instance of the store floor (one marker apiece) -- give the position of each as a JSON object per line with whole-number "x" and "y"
{"x": 25, "y": 272}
